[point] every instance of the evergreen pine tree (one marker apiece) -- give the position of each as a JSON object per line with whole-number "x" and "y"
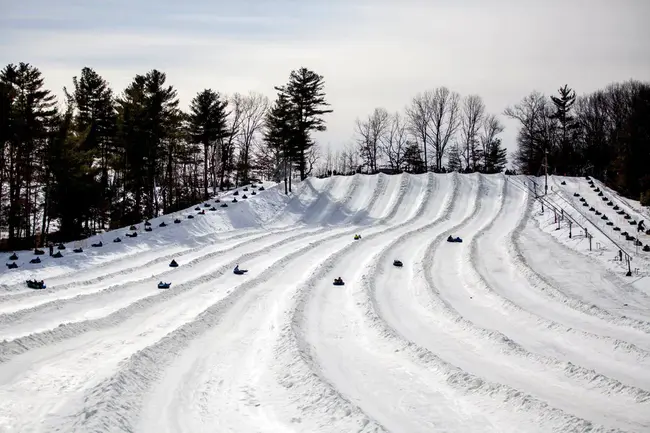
{"x": 73, "y": 185}
{"x": 497, "y": 157}
{"x": 31, "y": 109}
{"x": 148, "y": 117}
{"x": 413, "y": 159}
{"x": 280, "y": 134}
{"x": 207, "y": 126}
{"x": 305, "y": 93}
{"x": 455, "y": 162}
{"x": 95, "y": 123}
{"x": 564, "y": 159}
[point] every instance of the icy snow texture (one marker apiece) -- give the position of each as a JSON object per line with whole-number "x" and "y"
{"x": 517, "y": 328}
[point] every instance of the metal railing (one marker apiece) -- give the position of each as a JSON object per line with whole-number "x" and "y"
{"x": 543, "y": 199}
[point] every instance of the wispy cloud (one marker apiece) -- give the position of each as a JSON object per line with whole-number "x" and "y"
{"x": 372, "y": 53}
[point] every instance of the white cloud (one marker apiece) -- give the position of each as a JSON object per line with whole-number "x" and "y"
{"x": 381, "y": 54}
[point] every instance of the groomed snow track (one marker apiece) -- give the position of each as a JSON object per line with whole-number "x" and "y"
{"x": 517, "y": 328}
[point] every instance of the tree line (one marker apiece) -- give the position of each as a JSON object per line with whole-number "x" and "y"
{"x": 605, "y": 134}
{"x": 438, "y": 131}
{"x": 100, "y": 160}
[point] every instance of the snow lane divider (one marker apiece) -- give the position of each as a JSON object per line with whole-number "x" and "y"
{"x": 55, "y": 303}
{"x": 379, "y": 190}
{"x": 591, "y": 309}
{"x": 586, "y": 376}
{"x": 296, "y": 348}
{"x": 10, "y": 349}
{"x": 143, "y": 367}
{"x": 536, "y": 278}
{"x": 52, "y": 282}
{"x": 470, "y": 383}
{"x": 55, "y": 288}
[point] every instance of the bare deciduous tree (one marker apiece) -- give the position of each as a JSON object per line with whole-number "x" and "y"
{"x": 254, "y": 107}
{"x": 473, "y": 113}
{"x": 347, "y": 160}
{"x": 312, "y": 158}
{"x": 491, "y": 128}
{"x": 445, "y": 119}
{"x": 369, "y": 134}
{"x": 530, "y": 113}
{"x": 419, "y": 116}
{"x": 394, "y": 141}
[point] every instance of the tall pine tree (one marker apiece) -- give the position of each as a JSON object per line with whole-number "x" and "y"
{"x": 208, "y": 120}
{"x": 28, "y": 124}
{"x": 280, "y": 135}
{"x": 497, "y": 157}
{"x": 564, "y": 157}
{"x": 95, "y": 124}
{"x": 305, "y": 93}
{"x": 73, "y": 186}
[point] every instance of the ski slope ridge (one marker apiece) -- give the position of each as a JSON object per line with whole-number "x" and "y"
{"x": 516, "y": 328}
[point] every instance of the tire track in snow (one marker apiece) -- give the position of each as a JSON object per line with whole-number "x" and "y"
{"x": 380, "y": 189}
{"x": 143, "y": 368}
{"x": 417, "y": 356}
{"x": 607, "y": 285}
{"x": 157, "y": 238}
{"x": 497, "y": 337}
{"x": 426, "y": 335}
{"x": 70, "y": 279}
{"x": 58, "y": 291}
{"x": 56, "y": 304}
{"x": 552, "y": 290}
{"x": 248, "y": 397}
{"x": 306, "y": 185}
{"x": 464, "y": 382}
{"x": 63, "y": 311}
{"x": 10, "y": 349}
{"x": 588, "y": 377}
{"x": 475, "y": 282}
{"x": 294, "y": 349}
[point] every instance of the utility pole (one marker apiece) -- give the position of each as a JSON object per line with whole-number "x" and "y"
{"x": 546, "y": 172}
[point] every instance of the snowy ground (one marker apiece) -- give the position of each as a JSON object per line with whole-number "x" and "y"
{"x": 517, "y": 328}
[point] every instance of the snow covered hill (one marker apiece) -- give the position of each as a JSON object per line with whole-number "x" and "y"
{"x": 518, "y": 328}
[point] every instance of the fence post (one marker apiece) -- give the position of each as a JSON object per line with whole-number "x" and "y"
{"x": 570, "y": 224}
{"x": 629, "y": 267}
{"x": 562, "y": 214}
{"x": 590, "y": 242}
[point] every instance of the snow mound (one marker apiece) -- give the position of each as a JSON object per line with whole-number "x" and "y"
{"x": 517, "y": 328}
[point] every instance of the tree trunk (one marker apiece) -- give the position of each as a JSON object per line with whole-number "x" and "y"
{"x": 206, "y": 148}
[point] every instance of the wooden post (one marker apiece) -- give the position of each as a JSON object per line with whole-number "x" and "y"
{"x": 570, "y": 224}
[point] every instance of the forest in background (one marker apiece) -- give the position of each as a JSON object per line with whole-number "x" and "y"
{"x": 99, "y": 160}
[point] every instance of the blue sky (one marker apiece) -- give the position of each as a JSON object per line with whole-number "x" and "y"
{"x": 371, "y": 53}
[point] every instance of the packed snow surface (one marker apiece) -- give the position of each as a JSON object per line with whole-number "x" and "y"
{"x": 518, "y": 328}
